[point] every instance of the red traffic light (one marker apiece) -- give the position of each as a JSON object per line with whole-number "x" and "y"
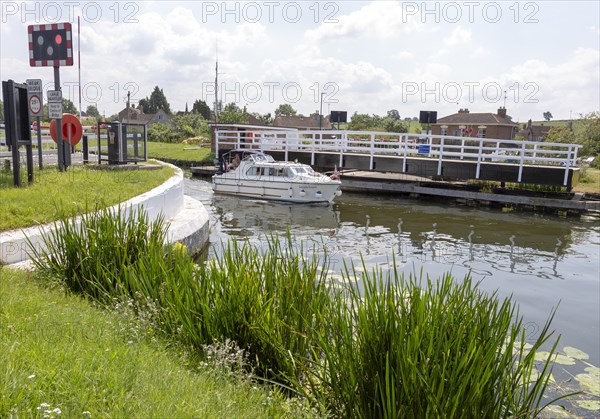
{"x": 58, "y": 39}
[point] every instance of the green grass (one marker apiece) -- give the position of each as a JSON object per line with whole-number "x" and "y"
{"x": 76, "y": 190}
{"x": 578, "y": 124}
{"x": 59, "y": 350}
{"x": 589, "y": 181}
{"x": 374, "y": 345}
{"x": 179, "y": 151}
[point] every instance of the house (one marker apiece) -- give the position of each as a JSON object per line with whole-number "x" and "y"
{"x": 534, "y": 132}
{"x": 131, "y": 115}
{"x": 483, "y": 125}
{"x": 302, "y": 122}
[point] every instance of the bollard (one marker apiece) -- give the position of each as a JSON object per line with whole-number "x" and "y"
{"x": 85, "y": 150}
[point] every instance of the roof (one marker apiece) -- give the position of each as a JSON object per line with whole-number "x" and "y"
{"x": 302, "y": 122}
{"x": 537, "y": 131}
{"x": 468, "y": 118}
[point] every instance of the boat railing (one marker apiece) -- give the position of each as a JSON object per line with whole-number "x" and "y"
{"x": 428, "y": 146}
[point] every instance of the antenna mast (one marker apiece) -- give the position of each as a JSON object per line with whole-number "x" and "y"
{"x": 217, "y": 83}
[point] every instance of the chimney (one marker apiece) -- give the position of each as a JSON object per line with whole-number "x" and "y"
{"x": 465, "y": 110}
{"x": 502, "y": 112}
{"x": 529, "y": 124}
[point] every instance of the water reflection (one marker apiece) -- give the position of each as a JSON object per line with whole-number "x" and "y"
{"x": 379, "y": 228}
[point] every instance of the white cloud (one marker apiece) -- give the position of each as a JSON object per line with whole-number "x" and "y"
{"x": 379, "y": 19}
{"x": 459, "y": 36}
{"x": 403, "y": 55}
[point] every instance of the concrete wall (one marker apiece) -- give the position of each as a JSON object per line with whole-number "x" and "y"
{"x": 167, "y": 199}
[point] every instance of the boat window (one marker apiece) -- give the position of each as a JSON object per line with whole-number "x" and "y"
{"x": 299, "y": 170}
{"x": 286, "y": 172}
{"x": 252, "y": 171}
{"x": 265, "y": 171}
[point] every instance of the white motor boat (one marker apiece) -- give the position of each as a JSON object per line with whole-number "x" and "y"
{"x": 251, "y": 173}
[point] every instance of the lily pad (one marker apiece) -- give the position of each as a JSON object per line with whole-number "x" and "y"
{"x": 557, "y": 358}
{"x": 593, "y": 371}
{"x": 558, "y": 412}
{"x": 575, "y": 353}
{"x": 589, "y": 383}
{"x": 589, "y": 404}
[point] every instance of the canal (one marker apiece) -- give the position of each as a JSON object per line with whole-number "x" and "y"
{"x": 542, "y": 261}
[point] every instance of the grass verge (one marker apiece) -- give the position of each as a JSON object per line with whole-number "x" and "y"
{"x": 75, "y": 190}
{"x": 179, "y": 151}
{"x": 59, "y": 352}
{"x": 589, "y": 182}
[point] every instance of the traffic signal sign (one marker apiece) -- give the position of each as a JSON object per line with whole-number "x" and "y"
{"x": 50, "y": 45}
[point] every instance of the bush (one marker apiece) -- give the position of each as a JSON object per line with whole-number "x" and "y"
{"x": 181, "y": 128}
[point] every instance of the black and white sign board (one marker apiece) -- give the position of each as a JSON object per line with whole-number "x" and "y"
{"x": 35, "y": 97}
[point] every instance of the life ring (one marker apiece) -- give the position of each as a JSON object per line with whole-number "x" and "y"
{"x": 70, "y": 123}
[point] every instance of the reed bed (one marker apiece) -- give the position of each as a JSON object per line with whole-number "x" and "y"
{"x": 380, "y": 346}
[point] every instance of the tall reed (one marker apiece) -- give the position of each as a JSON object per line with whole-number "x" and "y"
{"x": 425, "y": 349}
{"x": 382, "y": 346}
{"x": 92, "y": 254}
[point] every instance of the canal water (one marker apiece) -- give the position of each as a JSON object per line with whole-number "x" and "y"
{"x": 542, "y": 261}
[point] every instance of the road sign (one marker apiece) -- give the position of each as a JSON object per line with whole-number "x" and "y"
{"x": 34, "y": 97}
{"x": 50, "y": 45}
{"x": 35, "y": 106}
{"x": 34, "y": 86}
{"x": 423, "y": 149}
{"x": 55, "y": 110}
{"x": 55, "y": 96}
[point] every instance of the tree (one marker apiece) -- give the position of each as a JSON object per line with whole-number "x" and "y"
{"x": 69, "y": 107}
{"x": 394, "y": 125}
{"x": 363, "y": 121}
{"x": 92, "y": 111}
{"x": 266, "y": 119}
{"x": 394, "y": 114}
{"x": 548, "y": 116}
{"x": 285, "y": 109}
{"x": 232, "y": 107}
{"x": 1, "y": 111}
{"x": 200, "y": 107}
{"x": 232, "y": 114}
{"x": 156, "y": 101}
{"x": 586, "y": 134}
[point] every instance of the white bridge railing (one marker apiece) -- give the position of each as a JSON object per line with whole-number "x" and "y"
{"x": 404, "y": 146}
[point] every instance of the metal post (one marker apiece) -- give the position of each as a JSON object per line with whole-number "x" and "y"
{"x": 39, "y": 139}
{"x": 86, "y": 155}
{"x": 99, "y": 149}
{"x": 59, "y": 141}
{"x": 321, "y": 113}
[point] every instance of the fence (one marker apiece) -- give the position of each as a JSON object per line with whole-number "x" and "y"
{"x": 405, "y": 146}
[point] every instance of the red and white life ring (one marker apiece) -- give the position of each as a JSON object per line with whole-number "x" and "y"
{"x": 70, "y": 125}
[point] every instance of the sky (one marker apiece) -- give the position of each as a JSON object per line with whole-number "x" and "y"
{"x": 365, "y": 57}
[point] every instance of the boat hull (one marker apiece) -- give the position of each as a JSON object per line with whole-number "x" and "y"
{"x": 293, "y": 192}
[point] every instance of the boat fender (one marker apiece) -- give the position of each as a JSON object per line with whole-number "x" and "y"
{"x": 318, "y": 194}
{"x": 302, "y": 193}
{"x": 338, "y": 193}
{"x": 290, "y": 192}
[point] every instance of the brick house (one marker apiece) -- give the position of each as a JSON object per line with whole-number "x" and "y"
{"x": 483, "y": 125}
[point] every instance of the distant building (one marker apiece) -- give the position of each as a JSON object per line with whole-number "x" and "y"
{"x": 131, "y": 115}
{"x": 481, "y": 125}
{"x": 302, "y": 122}
{"x": 534, "y": 132}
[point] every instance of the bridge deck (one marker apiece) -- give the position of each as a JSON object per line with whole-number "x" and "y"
{"x": 451, "y": 157}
